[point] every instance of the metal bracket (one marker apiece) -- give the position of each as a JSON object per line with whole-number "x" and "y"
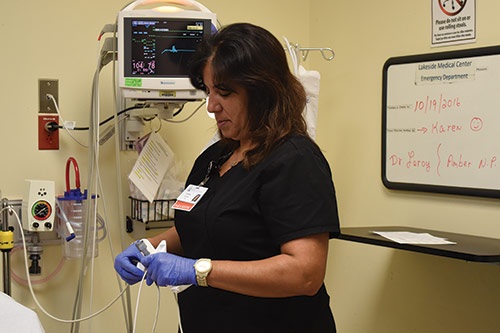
{"x": 47, "y": 86}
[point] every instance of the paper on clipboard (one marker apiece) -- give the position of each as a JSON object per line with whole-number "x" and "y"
{"x": 155, "y": 159}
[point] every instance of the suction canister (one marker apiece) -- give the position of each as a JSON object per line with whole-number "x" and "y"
{"x": 72, "y": 212}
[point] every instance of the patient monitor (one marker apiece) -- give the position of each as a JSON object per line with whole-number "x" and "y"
{"x": 155, "y": 46}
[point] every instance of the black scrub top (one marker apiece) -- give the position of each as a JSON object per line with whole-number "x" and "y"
{"x": 247, "y": 215}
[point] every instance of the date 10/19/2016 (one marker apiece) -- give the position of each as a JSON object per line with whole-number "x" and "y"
{"x": 429, "y": 104}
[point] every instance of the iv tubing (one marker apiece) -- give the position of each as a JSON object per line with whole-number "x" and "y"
{"x": 93, "y": 159}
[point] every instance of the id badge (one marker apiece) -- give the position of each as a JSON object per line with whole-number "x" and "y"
{"x": 189, "y": 197}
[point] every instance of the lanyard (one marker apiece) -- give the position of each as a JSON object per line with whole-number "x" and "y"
{"x": 214, "y": 166}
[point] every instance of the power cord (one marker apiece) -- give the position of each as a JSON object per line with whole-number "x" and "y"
{"x": 54, "y": 126}
{"x": 188, "y": 117}
{"x": 50, "y": 126}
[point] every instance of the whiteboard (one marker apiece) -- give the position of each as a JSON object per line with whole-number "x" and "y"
{"x": 441, "y": 122}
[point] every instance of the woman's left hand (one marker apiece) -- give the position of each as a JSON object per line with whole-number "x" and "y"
{"x": 168, "y": 269}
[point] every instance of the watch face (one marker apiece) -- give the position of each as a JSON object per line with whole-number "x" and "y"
{"x": 203, "y": 266}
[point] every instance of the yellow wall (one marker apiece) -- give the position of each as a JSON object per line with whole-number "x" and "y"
{"x": 373, "y": 289}
{"x": 376, "y": 289}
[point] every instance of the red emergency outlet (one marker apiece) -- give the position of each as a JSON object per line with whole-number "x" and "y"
{"x": 48, "y": 137}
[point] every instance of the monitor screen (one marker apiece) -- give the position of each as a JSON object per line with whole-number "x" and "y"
{"x": 161, "y": 47}
{"x": 154, "y": 50}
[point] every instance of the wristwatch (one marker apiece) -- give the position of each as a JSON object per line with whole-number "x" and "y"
{"x": 202, "y": 267}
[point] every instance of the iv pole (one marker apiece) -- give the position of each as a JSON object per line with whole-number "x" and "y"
{"x": 6, "y": 244}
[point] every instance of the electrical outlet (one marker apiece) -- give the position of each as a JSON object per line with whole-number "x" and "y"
{"x": 48, "y": 86}
{"x": 47, "y": 140}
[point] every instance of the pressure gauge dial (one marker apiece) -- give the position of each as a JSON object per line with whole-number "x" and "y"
{"x": 41, "y": 210}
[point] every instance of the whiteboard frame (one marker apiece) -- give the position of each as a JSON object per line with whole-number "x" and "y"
{"x": 404, "y": 60}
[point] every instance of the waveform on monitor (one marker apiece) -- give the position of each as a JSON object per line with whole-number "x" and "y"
{"x": 173, "y": 49}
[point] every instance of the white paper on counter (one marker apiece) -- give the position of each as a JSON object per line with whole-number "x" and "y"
{"x": 406, "y": 237}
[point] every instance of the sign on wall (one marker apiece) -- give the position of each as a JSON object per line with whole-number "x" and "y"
{"x": 453, "y": 22}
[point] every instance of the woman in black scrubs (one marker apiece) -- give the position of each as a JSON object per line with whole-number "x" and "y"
{"x": 254, "y": 246}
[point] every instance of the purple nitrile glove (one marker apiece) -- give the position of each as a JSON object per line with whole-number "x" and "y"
{"x": 125, "y": 264}
{"x": 167, "y": 269}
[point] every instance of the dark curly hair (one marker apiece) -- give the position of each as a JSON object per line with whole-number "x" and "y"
{"x": 250, "y": 57}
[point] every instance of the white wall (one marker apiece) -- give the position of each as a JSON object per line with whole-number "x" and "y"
{"x": 373, "y": 289}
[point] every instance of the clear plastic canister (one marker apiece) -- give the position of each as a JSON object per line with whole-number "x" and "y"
{"x": 75, "y": 212}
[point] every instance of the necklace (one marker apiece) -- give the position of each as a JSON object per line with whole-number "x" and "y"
{"x": 236, "y": 155}
{"x": 234, "y": 163}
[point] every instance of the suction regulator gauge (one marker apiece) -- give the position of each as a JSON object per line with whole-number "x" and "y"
{"x": 41, "y": 210}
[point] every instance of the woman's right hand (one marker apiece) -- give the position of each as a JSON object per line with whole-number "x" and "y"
{"x": 125, "y": 265}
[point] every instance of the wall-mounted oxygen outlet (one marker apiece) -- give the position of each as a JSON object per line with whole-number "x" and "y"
{"x": 47, "y": 86}
{"x": 48, "y": 135}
